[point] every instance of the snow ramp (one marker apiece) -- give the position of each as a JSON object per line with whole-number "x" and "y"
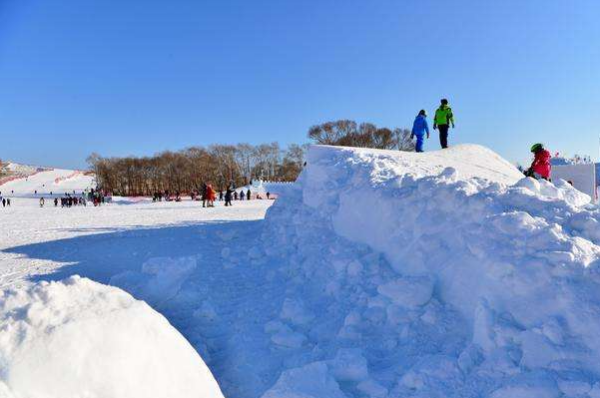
{"x": 444, "y": 274}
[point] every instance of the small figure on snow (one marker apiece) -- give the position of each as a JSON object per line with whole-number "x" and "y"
{"x": 442, "y": 120}
{"x": 540, "y": 168}
{"x": 420, "y": 128}
{"x": 228, "y": 196}
{"x": 211, "y": 196}
{"x": 204, "y": 193}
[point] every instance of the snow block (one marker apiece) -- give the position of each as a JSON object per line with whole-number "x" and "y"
{"x": 160, "y": 279}
{"x": 408, "y": 291}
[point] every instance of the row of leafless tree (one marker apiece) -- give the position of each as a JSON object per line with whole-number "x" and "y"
{"x": 184, "y": 171}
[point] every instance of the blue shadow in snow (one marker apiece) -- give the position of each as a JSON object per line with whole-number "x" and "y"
{"x": 100, "y": 256}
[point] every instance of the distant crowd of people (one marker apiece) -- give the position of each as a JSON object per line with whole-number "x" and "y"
{"x": 208, "y": 195}
{"x": 67, "y": 200}
{"x": 96, "y": 197}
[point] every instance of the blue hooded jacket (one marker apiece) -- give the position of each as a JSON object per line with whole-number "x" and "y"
{"x": 420, "y": 126}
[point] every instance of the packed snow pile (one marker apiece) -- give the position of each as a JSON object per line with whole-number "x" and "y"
{"x": 158, "y": 281}
{"x": 78, "y": 338}
{"x": 444, "y": 274}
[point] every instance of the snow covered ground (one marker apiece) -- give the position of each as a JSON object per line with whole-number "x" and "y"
{"x": 378, "y": 274}
{"x": 166, "y": 240}
{"x": 26, "y": 180}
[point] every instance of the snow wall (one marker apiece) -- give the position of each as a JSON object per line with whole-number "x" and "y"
{"x": 583, "y": 177}
{"x": 444, "y": 274}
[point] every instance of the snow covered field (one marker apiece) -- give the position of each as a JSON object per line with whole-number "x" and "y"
{"x": 379, "y": 274}
{"x": 99, "y": 242}
{"x": 47, "y": 244}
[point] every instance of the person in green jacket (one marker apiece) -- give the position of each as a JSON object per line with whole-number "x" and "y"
{"x": 442, "y": 120}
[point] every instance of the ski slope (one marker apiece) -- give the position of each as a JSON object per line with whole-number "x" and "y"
{"x": 29, "y": 180}
{"x": 378, "y": 274}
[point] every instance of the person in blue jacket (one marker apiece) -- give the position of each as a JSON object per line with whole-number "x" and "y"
{"x": 420, "y": 128}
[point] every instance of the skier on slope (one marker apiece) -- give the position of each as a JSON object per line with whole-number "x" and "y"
{"x": 540, "y": 168}
{"x": 442, "y": 120}
{"x": 420, "y": 127}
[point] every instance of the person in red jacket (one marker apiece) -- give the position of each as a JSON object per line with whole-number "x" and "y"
{"x": 211, "y": 195}
{"x": 540, "y": 168}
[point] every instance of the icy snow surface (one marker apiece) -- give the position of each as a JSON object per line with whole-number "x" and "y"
{"x": 378, "y": 274}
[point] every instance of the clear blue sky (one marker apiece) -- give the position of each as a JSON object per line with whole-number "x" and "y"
{"x": 141, "y": 76}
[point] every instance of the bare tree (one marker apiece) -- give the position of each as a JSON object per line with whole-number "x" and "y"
{"x": 330, "y": 133}
{"x": 366, "y": 135}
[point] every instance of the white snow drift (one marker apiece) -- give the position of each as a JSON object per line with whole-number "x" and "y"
{"x": 81, "y": 339}
{"x": 447, "y": 273}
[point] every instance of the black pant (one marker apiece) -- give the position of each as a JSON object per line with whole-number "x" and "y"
{"x": 443, "y": 135}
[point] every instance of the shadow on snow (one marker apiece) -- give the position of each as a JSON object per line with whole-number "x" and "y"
{"x": 100, "y": 256}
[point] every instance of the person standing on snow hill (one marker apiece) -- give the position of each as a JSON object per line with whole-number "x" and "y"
{"x": 442, "y": 120}
{"x": 420, "y": 127}
{"x": 540, "y": 168}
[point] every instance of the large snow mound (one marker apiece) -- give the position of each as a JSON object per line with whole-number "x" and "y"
{"x": 445, "y": 274}
{"x": 78, "y": 338}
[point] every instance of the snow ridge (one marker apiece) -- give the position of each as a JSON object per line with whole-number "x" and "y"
{"x": 437, "y": 275}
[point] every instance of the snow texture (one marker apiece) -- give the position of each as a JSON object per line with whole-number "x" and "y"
{"x": 78, "y": 338}
{"x": 471, "y": 280}
{"x": 378, "y": 274}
